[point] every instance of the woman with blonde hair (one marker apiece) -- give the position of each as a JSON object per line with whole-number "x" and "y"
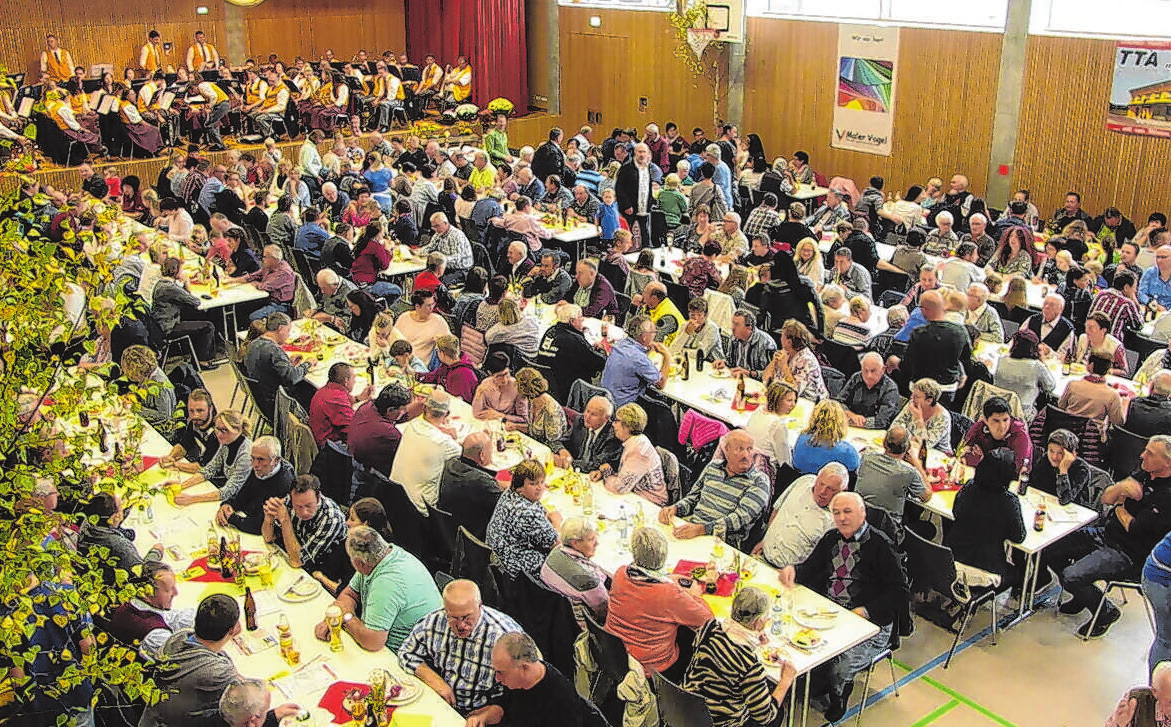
{"x": 924, "y": 417}
{"x": 609, "y": 177}
{"x": 823, "y": 440}
{"x": 737, "y": 283}
{"x": 156, "y": 403}
{"x": 1016, "y": 299}
{"x": 640, "y": 470}
{"x": 807, "y": 258}
{"x": 546, "y": 419}
{"x": 515, "y": 327}
{"x": 853, "y": 330}
{"x": 768, "y": 425}
{"x": 382, "y": 335}
{"x": 796, "y": 364}
{"x": 229, "y": 467}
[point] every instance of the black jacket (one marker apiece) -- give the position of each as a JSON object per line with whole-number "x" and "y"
{"x": 985, "y": 516}
{"x": 564, "y": 349}
{"x": 626, "y": 189}
{"x": 248, "y": 503}
{"x": 1149, "y": 415}
{"x": 606, "y": 450}
{"x": 1062, "y": 330}
{"x": 879, "y": 584}
{"x": 548, "y": 159}
{"x": 469, "y": 492}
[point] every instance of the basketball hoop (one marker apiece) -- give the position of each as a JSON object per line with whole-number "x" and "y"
{"x": 699, "y": 38}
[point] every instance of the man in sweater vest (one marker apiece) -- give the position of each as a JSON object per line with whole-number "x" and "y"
{"x": 1051, "y": 327}
{"x": 149, "y": 620}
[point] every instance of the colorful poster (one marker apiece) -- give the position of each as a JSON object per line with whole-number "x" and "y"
{"x": 1140, "y": 100}
{"x": 864, "y": 103}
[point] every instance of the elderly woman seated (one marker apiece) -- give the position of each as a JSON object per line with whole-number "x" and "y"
{"x": 641, "y": 469}
{"x": 726, "y": 670}
{"x": 648, "y": 609}
{"x": 923, "y": 416}
{"x": 569, "y": 571}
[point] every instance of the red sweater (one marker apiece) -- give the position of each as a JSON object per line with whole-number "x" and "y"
{"x": 647, "y": 614}
{"x": 458, "y": 379}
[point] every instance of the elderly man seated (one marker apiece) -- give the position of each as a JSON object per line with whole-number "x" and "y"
{"x": 1145, "y": 706}
{"x": 248, "y": 702}
{"x": 390, "y": 592}
{"x": 801, "y": 516}
{"x": 647, "y": 609}
{"x": 980, "y": 316}
{"x": 149, "y": 619}
{"x": 468, "y": 490}
{"x": 629, "y": 369}
{"x": 1151, "y": 415}
{"x": 450, "y": 649}
{"x": 654, "y": 303}
{"x": 727, "y": 497}
{"x": 733, "y": 243}
{"x": 591, "y": 441}
{"x": 519, "y": 265}
{"x": 569, "y": 571}
{"x": 334, "y": 312}
{"x": 857, "y": 567}
{"x": 889, "y": 478}
{"x": 534, "y": 690}
{"x": 726, "y": 670}
{"x": 1050, "y": 326}
{"x": 266, "y": 362}
{"x": 870, "y": 397}
{"x": 1118, "y": 546}
{"x": 243, "y": 501}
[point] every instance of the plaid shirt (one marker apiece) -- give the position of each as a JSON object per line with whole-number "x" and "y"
{"x": 319, "y": 534}
{"x": 1123, "y": 312}
{"x": 761, "y": 221}
{"x": 192, "y": 185}
{"x": 465, "y": 664}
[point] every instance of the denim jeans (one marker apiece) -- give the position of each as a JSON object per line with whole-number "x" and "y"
{"x": 1159, "y": 596}
{"x": 843, "y": 668}
{"x": 1082, "y": 558}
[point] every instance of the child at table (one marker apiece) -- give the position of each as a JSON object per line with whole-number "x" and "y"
{"x": 607, "y": 217}
{"x": 405, "y": 358}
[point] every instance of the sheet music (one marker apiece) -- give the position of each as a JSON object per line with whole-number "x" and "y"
{"x": 166, "y": 100}
{"x": 25, "y": 108}
{"x": 107, "y": 105}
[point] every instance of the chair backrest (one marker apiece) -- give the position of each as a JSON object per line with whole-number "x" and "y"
{"x": 301, "y": 449}
{"x": 670, "y": 474}
{"x": 680, "y": 295}
{"x": 1125, "y": 448}
{"x": 887, "y": 280}
{"x": 842, "y": 357}
{"x": 1145, "y": 346}
{"x": 249, "y": 408}
{"x": 1100, "y": 479}
{"x": 471, "y": 342}
{"x": 679, "y": 708}
{"x": 301, "y": 262}
{"x": 302, "y": 296}
{"x": 472, "y": 560}
{"x": 1132, "y": 361}
{"x": 721, "y": 306}
{"x": 1010, "y": 328}
{"x": 1088, "y": 431}
{"x": 609, "y": 650}
{"x": 550, "y": 374}
{"x": 481, "y": 258}
{"x": 661, "y": 426}
{"x": 580, "y": 393}
{"x": 623, "y": 301}
{"x": 445, "y": 532}
{"x": 407, "y": 524}
{"x": 929, "y": 566}
{"x": 835, "y": 380}
{"x": 284, "y": 405}
{"x": 960, "y": 425}
{"x": 982, "y": 391}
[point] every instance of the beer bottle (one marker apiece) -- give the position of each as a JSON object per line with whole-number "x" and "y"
{"x": 370, "y": 369}
{"x": 225, "y": 559}
{"x": 699, "y": 359}
{"x": 686, "y": 366}
{"x": 1023, "y": 483}
{"x": 739, "y": 403}
{"x": 103, "y": 441}
{"x": 923, "y": 455}
{"x": 249, "y": 610}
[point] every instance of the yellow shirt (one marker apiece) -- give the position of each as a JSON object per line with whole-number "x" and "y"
{"x": 150, "y": 57}
{"x": 199, "y": 57}
{"x": 462, "y": 78}
{"x": 432, "y": 77}
{"x": 255, "y": 91}
{"x": 208, "y": 87}
{"x": 667, "y": 309}
{"x": 57, "y": 64}
{"x": 482, "y": 178}
{"x": 275, "y": 100}
{"x": 324, "y": 95}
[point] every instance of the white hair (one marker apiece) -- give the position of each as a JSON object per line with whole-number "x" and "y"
{"x": 244, "y": 700}
{"x": 568, "y": 313}
{"x": 977, "y": 216}
{"x": 979, "y": 290}
{"x": 853, "y": 497}
{"x": 577, "y": 528}
{"x": 835, "y": 469}
{"x": 945, "y": 216}
{"x": 275, "y": 251}
{"x": 329, "y": 186}
{"x": 269, "y": 443}
{"x": 328, "y": 277}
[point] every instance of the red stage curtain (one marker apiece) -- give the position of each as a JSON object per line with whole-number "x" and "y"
{"x": 491, "y": 33}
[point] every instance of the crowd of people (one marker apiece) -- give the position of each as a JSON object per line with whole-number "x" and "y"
{"x": 811, "y": 505}
{"x": 167, "y": 96}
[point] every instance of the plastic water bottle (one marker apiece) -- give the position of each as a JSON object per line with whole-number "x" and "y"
{"x": 623, "y": 525}
{"x": 778, "y": 616}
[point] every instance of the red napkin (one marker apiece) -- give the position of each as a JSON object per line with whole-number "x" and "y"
{"x": 331, "y": 701}
{"x": 504, "y": 475}
{"x": 212, "y": 575}
{"x": 724, "y": 586}
{"x": 297, "y": 348}
{"x": 148, "y": 462}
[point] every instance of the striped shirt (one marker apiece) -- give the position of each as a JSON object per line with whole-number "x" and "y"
{"x": 851, "y": 332}
{"x": 319, "y": 534}
{"x": 727, "y": 673}
{"x": 734, "y": 500}
{"x": 1122, "y": 311}
{"x": 465, "y": 664}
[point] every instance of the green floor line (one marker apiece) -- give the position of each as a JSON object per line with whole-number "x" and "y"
{"x": 968, "y": 702}
{"x": 937, "y": 713}
{"x": 957, "y": 699}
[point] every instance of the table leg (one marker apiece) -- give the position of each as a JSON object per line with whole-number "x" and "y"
{"x": 805, "y": 701}
{"x": 229, "y": 312}
{"x": 1028, "y": 588}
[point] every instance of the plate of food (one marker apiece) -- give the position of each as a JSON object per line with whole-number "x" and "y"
{"x": 819, "y": 619}
{"x": 402, "y": 693}
{"x": 723, "y": 373}
{"x": 773, "y": 656}
{"x": 252, "y": 563}
{"x": 301, "y": 590}
{"x": 806, "y": 639}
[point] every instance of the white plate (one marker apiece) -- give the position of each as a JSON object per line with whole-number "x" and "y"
{"x": 819, "y": 620}
{"x": 411, "y": 691}
{"x": 721, "y": 374}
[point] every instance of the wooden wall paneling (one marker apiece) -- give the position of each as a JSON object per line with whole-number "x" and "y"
{"x": 1063, "y": 142}
{"x": 943, "y": 120}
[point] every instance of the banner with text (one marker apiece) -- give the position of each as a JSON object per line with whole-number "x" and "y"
{"x": 1140, "y": 100}
{"x": 864, "y": 110}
